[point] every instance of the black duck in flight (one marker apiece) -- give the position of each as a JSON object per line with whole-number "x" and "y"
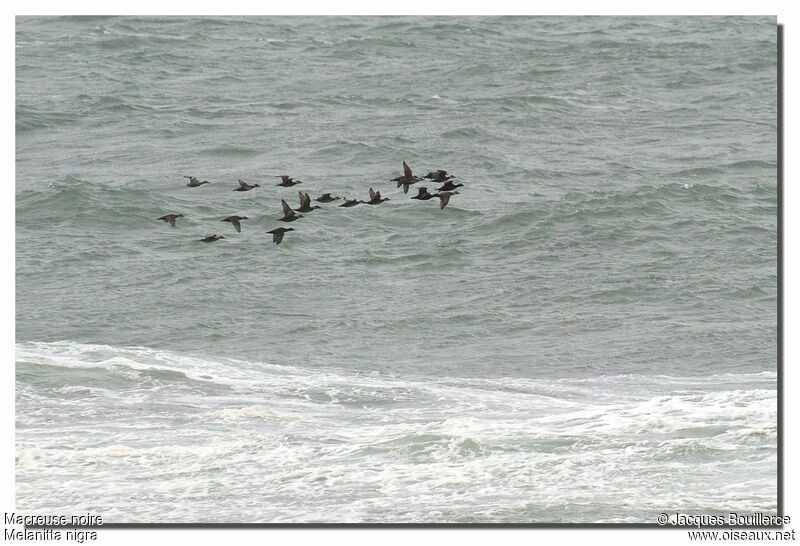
{"x": 236, "y": 221}
{"x": 305, "y": 203}
{"x": 326, "y": 198}
{"x": 288, "y": 214}
{"x": 287, "y": 181}
{"x": 277, "y": 234}
{"x": 244, "y": 186}
{"x": 170, "y": 218}
{"x": 194, "y": 182}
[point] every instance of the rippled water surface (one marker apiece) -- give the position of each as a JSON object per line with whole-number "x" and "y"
{"x": 587, "y": 332}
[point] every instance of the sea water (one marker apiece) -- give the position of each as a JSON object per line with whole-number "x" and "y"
{"x": 586, "y": 333}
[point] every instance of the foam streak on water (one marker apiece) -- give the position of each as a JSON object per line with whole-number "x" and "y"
{"x": 249, "y": 441}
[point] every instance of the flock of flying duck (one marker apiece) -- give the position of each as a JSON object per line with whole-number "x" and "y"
{"x": 290, "y": 215}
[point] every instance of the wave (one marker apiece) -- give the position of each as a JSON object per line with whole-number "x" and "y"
{"x": 73, "y": 201}
{"x": 29, "y": 119}
{"x": 229, "y": 372}
{"x": 591, "y": 397}
{"x": 334, "y": 445}
{"x": 606, "y": 215}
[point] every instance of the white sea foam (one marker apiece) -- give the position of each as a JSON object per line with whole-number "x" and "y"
{"x": 280, "y": 443}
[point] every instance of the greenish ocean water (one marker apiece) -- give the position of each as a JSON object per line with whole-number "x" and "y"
{"x": 586, "y": 333}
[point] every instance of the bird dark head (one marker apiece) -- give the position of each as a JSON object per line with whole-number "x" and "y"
{"x": 290, "y": 229}
{"x": 256, "y": 185}
{"x": 243, "y": 218}
{"x": 221, "y": 237}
